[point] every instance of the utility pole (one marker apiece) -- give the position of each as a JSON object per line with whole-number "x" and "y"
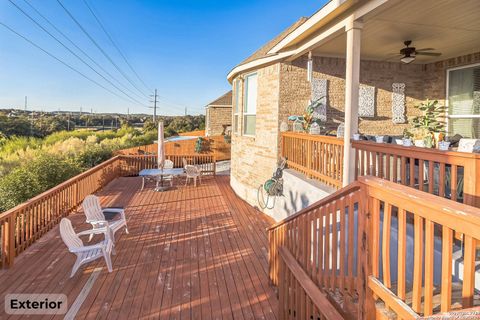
{"x": 25, "y": 103}
{"x": 103, "y": 122}
{"x": 155, "y": 96}
{"x": 185, "y": 111}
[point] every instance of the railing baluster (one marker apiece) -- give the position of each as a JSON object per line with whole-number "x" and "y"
{"x": 429, "y": 262}
{"x": 402, "y": 252}
{"x": 447, "y": 245}
{"x": 387, "y": 218}
{"x": 417, "y": 263}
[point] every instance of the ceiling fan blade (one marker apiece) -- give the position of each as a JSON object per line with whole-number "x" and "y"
{"x": 425, "y": 49}
{"x": 433, "y": 54}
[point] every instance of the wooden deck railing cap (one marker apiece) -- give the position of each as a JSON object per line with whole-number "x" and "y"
{"x": 412, "y": 150}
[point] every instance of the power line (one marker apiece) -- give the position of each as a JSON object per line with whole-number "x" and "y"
{"x": 115, "y": 44}
{"x": 61, "y": 61}
{"x": 99, "y": 47}
{"x": 72, "y": 52}
{"x": 79, "y": 49}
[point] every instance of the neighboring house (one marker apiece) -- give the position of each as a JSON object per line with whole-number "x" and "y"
{"x": 218, "y": 117}
{"x": 354, "y": 48}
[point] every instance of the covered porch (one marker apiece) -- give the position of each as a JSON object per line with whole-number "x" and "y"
{"x": 373, "y": 89}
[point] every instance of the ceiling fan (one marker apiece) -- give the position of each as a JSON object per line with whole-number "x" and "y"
{"x": 409, "y": 53}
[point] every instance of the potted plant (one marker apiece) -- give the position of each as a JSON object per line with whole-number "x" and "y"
{"x": 428, "y": 128}
{"x": 227, "y": 138}
{"x": 313, "y": 116}
{"x": 407, "y": 138}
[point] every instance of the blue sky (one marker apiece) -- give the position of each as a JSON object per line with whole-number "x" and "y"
{"x": 183, "y": 48}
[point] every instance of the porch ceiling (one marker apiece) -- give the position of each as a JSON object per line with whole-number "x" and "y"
{"x": 451, "y": 27}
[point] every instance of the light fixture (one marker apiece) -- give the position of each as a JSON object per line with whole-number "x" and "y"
{"x": 309, "y": 67}
{"x": 408, "y": 59}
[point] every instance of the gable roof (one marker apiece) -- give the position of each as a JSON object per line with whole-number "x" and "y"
{"x": 224, "y": 100}
{"x": 263, "y": 51}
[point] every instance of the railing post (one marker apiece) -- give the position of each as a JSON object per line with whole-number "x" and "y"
{"x": 366, "y": 303}
{"x": 214, "y": 165}
{"x": 10, "y": 240}
{"x": 471, "y": 187}
{"x": 309, "y": 157}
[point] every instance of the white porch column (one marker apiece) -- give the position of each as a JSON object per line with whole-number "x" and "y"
{"x": 352, "y": 82}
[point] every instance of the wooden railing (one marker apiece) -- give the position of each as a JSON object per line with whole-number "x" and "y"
{"x": 22, "y": 225}
{"x": 214, "y": 145}
{"x": 374, "y": 247}
{"x": 326, "y": 240}
{"x": 134, "y": 163}
{"x": 319, "y": 157}
{"x": 449, "y": 174}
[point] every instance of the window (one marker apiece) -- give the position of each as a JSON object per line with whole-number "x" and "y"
{"x": 463, "y": 99}
{"x": 236, "y": 110}
{"x": 250, "y": 104}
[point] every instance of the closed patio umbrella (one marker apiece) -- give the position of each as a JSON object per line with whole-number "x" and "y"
{"x": 161, "y": 146}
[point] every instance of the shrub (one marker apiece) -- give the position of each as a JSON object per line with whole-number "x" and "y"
{"x": 36, "y": 176}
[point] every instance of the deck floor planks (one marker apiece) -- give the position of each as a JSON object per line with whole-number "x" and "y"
{"x": 247, "y": 241}
{"x": 191, "y": 253}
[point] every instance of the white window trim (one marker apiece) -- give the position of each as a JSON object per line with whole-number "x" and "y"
{"x": 244, "y": 106}
{"x": 447, "y": 98}
{"x": 236, "y": 110}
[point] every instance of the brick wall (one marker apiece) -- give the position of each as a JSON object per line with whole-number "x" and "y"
{"x": 254, "y": 158}
{"x": 421, "y": 82}
{"x": 283, "y": 90}
{"x": 295, "y": 91}
{"x": 217, "y": 118}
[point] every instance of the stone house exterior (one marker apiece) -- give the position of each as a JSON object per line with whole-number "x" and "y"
{"x": 218, "y": 115}
{"x": 279, "y": 80}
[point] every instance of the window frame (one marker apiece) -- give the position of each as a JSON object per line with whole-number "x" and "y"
{"x": 236, "y": 110}
{"x": 245, "y": 101}
{"x": 449, "y": 116}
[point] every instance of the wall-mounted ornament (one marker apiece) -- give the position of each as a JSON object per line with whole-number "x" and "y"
{"x": 398, "y": 103}
{"x": 366, "y": 101}
{"x": 319, "y": 92}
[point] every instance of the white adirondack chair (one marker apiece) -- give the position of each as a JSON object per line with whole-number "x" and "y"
{"x": 95, "y": 216}
{"x": 86, "y": 254}
{"x": 193, "y": 173}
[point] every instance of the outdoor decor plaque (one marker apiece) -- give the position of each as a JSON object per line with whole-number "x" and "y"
{"x": 398, "y": 102}
{"x": 319, "y": 91}
{"x": 366, "y": 101}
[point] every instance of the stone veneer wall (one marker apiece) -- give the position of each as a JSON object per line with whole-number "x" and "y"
{"x": 217, "y": 118}
{"x": 255, "y": 158}
{"x": 421, "y": 82}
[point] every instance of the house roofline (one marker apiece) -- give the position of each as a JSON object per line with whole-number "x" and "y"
{"x": 297, "y": 50}
{"x": 327, "y": 13}
{"x": 218, "y": 106}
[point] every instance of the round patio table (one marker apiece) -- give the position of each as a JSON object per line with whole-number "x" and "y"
{"x": 158, "y": 175}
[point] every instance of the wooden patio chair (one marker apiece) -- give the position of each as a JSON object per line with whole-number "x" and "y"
{"x": 86, "y": 254}
{"x": 96, "y": 216}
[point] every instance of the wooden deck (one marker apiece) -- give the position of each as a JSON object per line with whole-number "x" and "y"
{"x": 192, "y": 253}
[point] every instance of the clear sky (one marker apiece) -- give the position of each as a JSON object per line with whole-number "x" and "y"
{"x": 183, "y": 48}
